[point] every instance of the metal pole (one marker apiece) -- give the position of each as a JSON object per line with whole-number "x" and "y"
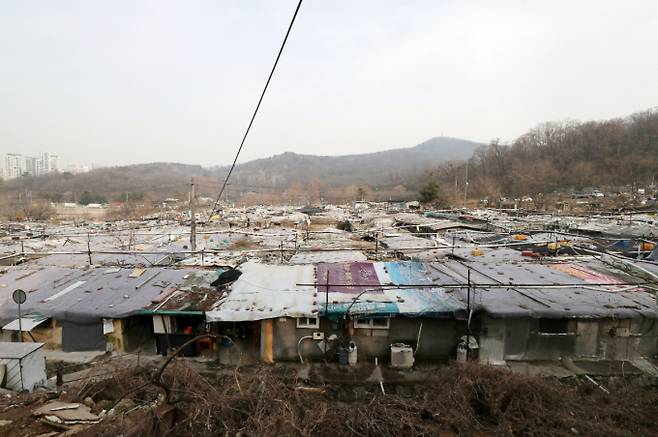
{"x": 468, "y": 317}
{"x": 466, "y": 187}
{"x": 377, "y": 243}
{"x": 60, "y": 375}
{"x": 193, "y": 215}
{"x": 20, "y": 326}
{"x": 89, "y": 248}
{"x": 326, "y": 312}
{"x": 454, "y": 236}
{"x": 20, "y": 369}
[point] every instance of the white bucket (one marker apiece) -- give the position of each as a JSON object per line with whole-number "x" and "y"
{"x": 351, "y": 354}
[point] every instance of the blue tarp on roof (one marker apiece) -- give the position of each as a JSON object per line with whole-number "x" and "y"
{"x": 427, "y": 301}
{"x": 380, "y": 295}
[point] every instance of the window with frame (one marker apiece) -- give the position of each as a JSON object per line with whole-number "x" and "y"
{"x": 375, "y": 323}
{"x": 553, "y": 327}
{"x": 308, "y": 322}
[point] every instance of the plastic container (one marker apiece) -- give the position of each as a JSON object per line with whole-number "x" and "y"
{"x": 461, "y": 353}
{"x": 402, "y": 356}
{"x": 351, "y": 354}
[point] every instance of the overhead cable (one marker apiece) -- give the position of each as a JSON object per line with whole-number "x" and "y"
{"x": 253, "y": 117}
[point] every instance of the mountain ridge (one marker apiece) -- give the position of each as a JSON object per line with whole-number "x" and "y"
{"x": 424, "y": 145}
{"x": 383, "y": 168}
{"x": 156, "y": 180}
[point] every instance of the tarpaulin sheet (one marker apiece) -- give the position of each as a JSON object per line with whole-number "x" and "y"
{"x": 354, "y": 288}
{"x": 351, "y": 277}
{"x": 420, "y": 301}
{"x": 268, "y": 291}
{"x": 383, "y": 297}
{"x": 82, "y": 337}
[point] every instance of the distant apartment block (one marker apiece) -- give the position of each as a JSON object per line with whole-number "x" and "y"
{"x": 15, "y": 165}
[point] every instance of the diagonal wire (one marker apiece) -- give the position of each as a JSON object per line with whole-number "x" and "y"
{"x": 253, "y": 117}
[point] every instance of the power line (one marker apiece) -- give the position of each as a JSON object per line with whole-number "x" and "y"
{"x": 253, "y": 117}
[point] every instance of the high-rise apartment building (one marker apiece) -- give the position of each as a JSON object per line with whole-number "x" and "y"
{"x": 15, "y": 165}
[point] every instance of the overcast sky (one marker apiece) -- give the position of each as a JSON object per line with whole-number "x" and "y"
{"x": 118, "y": 82}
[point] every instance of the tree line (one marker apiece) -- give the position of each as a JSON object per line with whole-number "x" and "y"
{"x": 554, "y": 156}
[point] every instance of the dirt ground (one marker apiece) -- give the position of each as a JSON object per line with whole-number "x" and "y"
{"x": 272, "y": 400}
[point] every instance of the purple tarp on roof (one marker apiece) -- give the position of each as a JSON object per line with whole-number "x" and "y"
{"x": 361, "y": 274}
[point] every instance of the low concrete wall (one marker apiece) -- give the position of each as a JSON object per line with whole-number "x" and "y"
{"x": 81, "y": 212}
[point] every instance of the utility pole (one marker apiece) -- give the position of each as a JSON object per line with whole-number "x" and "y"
{"x": 89, "y": 247}
{"x": 466, "y": 185}
{"x": 326, "y": 312}
{"x": 468, "y": 316}
{"x": 192, "y": 215}
{"x": 376, "y": 242}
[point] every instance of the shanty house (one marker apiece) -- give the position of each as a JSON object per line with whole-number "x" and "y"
{"x": 93, "y": 309}
{"x": 575, "y": 309}
{"x": 520, "y": 310}
{"x": 303, "y": 311}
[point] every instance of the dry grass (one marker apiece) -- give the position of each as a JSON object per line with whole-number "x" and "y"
{"x": 455, "y": 400}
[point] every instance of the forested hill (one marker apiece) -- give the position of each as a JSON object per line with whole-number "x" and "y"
{"x": 379, "y": 169}
{"x": 564, "y": 155}
{"x": 270, "y": 176}
{"x": 552, "y": 156}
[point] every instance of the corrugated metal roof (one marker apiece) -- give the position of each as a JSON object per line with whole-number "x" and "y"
{"x": 101, "y": 293}
{"x": 26, "y": 324}
{"x": 438, "y": 289}
{"x": 268, "y": 291}
{"x": 10, "y": 350}
{"x": 407, "y": 242}
{"x": 576, "y": 296}
{"x": 327, "y": 256}
{"x": 407, "y": 219}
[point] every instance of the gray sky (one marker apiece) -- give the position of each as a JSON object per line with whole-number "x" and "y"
{"x": 120, "y": 82}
